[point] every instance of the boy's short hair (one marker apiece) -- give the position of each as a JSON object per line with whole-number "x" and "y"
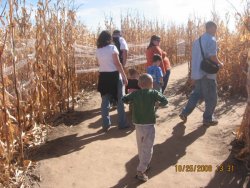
{"x": 145, "y": 81}
{"x": 132, "y": 72}
{"x": 210, "y": 24}
{"x": 156, "y": 57}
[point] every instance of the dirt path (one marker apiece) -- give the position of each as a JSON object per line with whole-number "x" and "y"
{"x": 79, "y": 155}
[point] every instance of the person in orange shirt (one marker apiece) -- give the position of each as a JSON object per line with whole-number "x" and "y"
{"x": 154, "y": 48}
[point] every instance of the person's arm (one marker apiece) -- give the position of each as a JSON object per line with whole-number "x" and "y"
{"x": 161, "y": 98}
{"x": 127, "y": 98}
{"x": 212, "y": 52}
{"x": 215, "y": 59}
{"x": 164, "y": 54}
{"x": 157, "y": 50}
{"x": 124, "y": 57}
{"x": 120, "y": 68}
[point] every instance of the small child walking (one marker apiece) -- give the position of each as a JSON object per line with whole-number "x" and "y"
{"x": 156, "y": 72}
{"x": 133, "y": 76}
{"x": 132, "y": 86}
{"x": 144, "y": 118}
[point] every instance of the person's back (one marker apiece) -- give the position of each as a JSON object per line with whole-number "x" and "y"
{"x": 121, "y": 45}
{"x": 156, "y": 72}
{"x": 144, "y": 102}
{"x": 105, "y": 58}
{"x": 209, "y": 46}
{"x": 205, "y": 86}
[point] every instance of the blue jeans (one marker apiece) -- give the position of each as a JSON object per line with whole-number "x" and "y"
{"x": 165, "y": 80}
{"x": 105, "y": 106}
{"x": 204, "y": 89}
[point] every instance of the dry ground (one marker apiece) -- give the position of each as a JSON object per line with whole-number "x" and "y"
{"x": 78, "y": 154}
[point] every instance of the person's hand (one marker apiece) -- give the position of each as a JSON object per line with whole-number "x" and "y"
{"x": 221, "y": 64}
{"x": 125, "y": 80}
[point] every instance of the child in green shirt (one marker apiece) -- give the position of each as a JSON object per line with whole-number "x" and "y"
{"x": 144, "y": 118}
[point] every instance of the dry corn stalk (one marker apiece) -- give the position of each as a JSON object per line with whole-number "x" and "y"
{"x": 43, "y": 82}
{"x": 243, "y": 133}
{"x": 42, "y": 64}
{"x": 14, "y": 58}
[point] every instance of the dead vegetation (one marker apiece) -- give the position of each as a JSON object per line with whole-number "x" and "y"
{"x": 46, "y": 60}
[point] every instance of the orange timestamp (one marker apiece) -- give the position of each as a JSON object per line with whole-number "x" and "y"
{"x": 204, "y": 168}
{"x": 193, "y": 168}
{"x": 225, "y": 168}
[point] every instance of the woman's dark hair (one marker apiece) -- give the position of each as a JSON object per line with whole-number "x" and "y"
{"x": 104, "y": 39}
{"x": 153, "y": 38}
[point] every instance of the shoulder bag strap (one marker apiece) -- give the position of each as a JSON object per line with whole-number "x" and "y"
{"x": 202, "y": 53}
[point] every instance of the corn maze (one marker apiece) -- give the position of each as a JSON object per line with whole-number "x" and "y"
{"x": 47, "y": 61}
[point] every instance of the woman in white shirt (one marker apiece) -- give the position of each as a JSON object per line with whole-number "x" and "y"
{"x": 111, "y": 80}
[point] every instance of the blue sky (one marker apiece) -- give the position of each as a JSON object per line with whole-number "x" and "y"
{"x": 92, "y": 12}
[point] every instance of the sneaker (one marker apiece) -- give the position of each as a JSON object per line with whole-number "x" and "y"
{"x": 210, "y": 123}
{"x": 141, "y": 176}
{"x": 183, "y": 118}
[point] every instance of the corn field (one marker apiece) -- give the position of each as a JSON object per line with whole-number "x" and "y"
{"x": 46, "y": 61}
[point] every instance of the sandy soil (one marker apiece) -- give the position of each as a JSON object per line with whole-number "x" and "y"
{"x": 78, "y": 154}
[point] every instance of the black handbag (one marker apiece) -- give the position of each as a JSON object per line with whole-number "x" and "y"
{"x": 207, "y": 65}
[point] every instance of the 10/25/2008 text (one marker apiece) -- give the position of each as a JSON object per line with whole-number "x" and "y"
{"x": 204, "y": 168}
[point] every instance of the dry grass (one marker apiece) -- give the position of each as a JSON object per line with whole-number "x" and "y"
{"x": 39, "y": 82}
{"x": 40, "y": 60}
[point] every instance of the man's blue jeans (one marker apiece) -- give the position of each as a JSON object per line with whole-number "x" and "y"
{"x": 105, "y": 107}
{"x": 204, "y": 89}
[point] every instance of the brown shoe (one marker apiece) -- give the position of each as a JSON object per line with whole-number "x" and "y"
{"x": 183, "y": 118}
